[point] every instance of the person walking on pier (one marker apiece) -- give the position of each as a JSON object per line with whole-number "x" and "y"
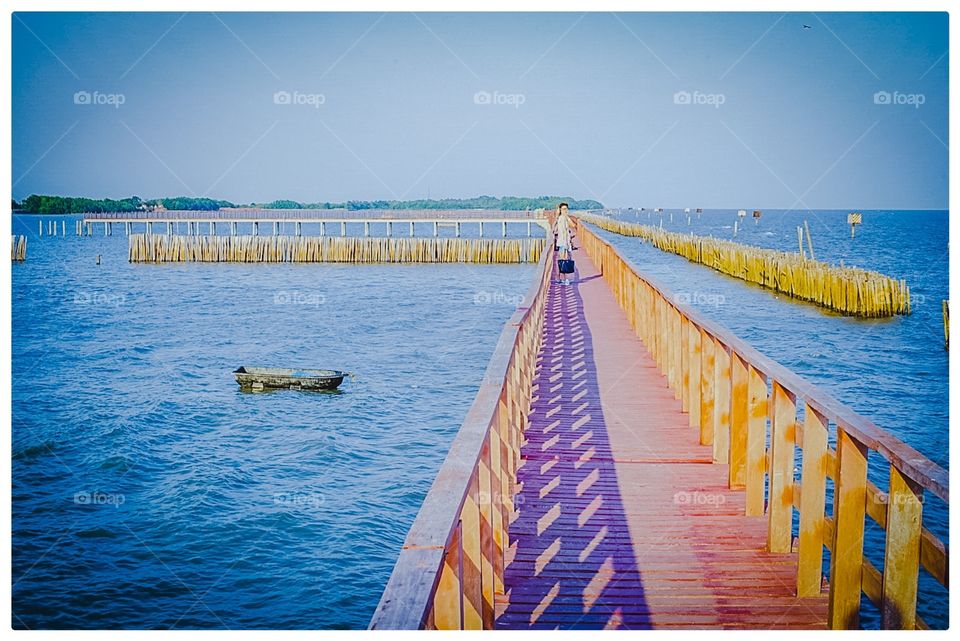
{"x": 564, "y": 242}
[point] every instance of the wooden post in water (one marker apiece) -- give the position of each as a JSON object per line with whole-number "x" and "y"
{"x": 411, "y": 229}
{"x": 435, "y": 228}
{"x": 809, "y": 240}
{"x": 63, "y": 228}
{"x": 40, "y": 223}
{"x": 481, "y": 229}
{"x": 343, "y": 228}
{"x": 366, "y": 228}
{"x": 529, "y": 229}
{"x": 946, "y": 324}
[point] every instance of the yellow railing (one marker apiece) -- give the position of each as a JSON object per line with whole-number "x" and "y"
{"x": 746, "y": 406}
{"x": 451, "y": 564}
{"x": 847, "y": 290}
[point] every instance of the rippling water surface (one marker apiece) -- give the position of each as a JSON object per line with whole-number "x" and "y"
{"x": 149, "y": 492}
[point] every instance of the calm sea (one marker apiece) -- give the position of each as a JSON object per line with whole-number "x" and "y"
{"x": 149, "y": 492}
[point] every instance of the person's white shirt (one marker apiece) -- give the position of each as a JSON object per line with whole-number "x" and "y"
{"x": 563, "y": 230}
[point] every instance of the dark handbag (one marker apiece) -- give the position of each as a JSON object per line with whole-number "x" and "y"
{"x": 565, "y": 265}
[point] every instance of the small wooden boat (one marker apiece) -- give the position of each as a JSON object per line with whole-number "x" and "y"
{"x": 260, "y": 378}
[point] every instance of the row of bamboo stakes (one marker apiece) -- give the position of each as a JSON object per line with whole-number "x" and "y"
{"x": 18, "y": 248}
{"x": 150, "y": 248}
{"x": 848, "y": 290}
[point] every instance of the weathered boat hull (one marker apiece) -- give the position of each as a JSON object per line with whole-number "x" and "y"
{"x": 262, "y": 378}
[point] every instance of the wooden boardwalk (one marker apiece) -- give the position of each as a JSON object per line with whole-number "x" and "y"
{"x": 622, "y": 518}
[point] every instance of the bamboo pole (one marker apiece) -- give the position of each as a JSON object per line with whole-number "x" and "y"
{"x": 18, "y": 248}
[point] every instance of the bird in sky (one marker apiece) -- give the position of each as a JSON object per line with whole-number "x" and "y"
{"x": 806, "y": 26}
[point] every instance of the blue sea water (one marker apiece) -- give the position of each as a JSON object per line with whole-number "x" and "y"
{"x": 893, "y": 371}
{"x": 150, "y": 492}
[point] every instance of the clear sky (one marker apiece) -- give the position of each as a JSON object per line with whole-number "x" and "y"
{"x": 671, "y": 110}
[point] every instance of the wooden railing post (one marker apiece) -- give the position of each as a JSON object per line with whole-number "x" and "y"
{"x": 471, "y": 563}
{"x": 488, "y": 496}
{"x": 721, "y": 405}
{"x": 676, "y": 328}
{"x": 500, "y": 491}
{"x": 739, "y": 415}
{"x": 756, "y": 464}
{"x": 448, "y": 599}
{"x": 901, "y": 565}
{"x": 684, "y": 363}
{"x": 696, "y": 348}
{"x": 813, "y": 482}
{"x": 782, "y": 433}
{"x": 707, "y": 379}
{"x": 849, "y": 507}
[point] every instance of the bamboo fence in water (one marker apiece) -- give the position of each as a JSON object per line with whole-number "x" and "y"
{"x": 848, "y": 290}
{"x": 18, "y": 248}
{"x": 149, "y": 248}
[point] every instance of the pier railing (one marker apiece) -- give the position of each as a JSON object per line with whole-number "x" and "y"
{"x": 759, "y": 416}
{"x": 316, "y": 214}
{"x": 451, "y": 565}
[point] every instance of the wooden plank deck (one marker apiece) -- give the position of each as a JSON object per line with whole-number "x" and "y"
{"x": 622, "y": 519}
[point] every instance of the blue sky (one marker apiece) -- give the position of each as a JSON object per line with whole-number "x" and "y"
{"x": 672, "y": 110}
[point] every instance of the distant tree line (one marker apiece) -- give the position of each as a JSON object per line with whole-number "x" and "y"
{"x": 511, "y": 203}
{"x": 66, "y": 205}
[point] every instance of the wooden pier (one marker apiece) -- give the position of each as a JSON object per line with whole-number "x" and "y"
{"x": 628, "y": 463}
{"x": 323, "y": 222}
